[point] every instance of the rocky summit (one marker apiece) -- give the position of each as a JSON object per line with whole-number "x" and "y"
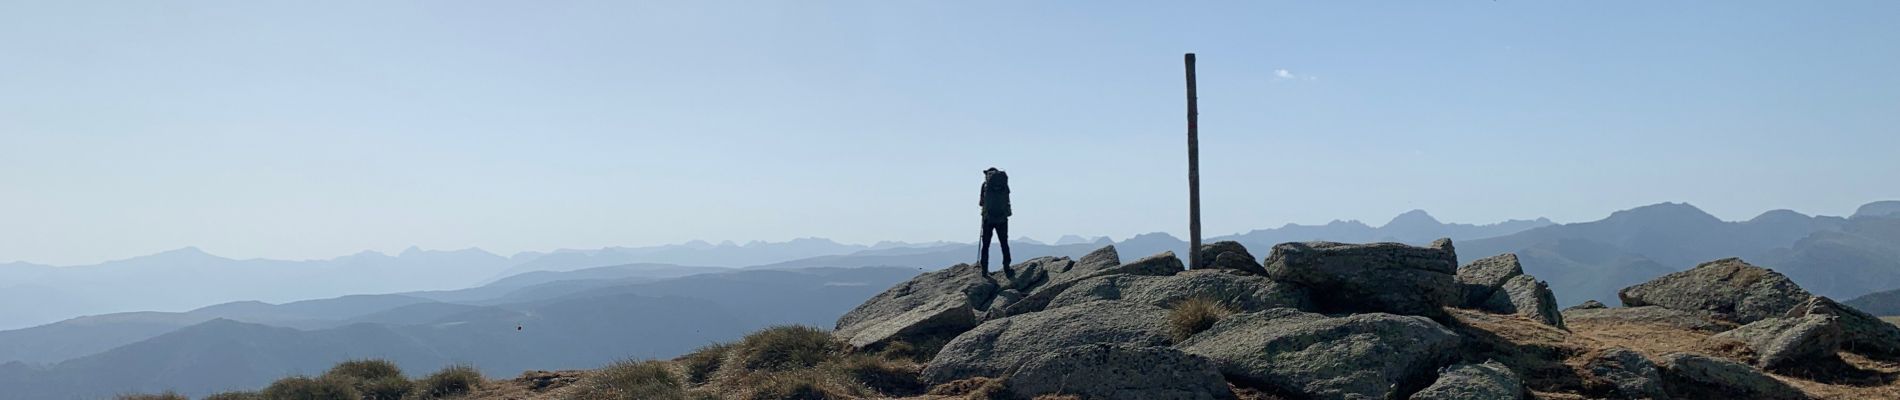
{"x": 1323, "y": 320}
{"x": 1315, "y": 320}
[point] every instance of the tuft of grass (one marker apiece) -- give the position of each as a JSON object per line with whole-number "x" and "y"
{"x": 978, "y": 388}
{"x": 236, "y": 396}
{"x": 454, "y": 380}
{"x": 632, "y": 380}
{"x": 885, "y": 376}
{"x": 307, "y": 388}
{"x": 167, "y": 395}
{"x": 1058, "y": 397}
{"x": 920, "y": 351}
{"x": 385, "y": 388}
{"x": 782, "y": 348}
{"x": 1195, "y": 315}
{"x": 804, "y": 384}
{"x": 702, "y": 363}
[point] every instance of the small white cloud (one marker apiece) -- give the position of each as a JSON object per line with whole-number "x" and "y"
{"x": 1283, "y": 74}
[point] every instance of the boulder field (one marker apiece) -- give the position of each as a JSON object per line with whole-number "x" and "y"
{"x": 1322, "y": 320}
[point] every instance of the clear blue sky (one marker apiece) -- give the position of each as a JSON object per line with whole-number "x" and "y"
{"x": 315, "y": 129}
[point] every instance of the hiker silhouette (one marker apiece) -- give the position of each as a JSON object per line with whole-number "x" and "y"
{"x": 994, "y": 201}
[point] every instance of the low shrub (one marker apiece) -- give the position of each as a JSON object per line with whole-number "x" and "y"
{"x": 885, "y": 376}
{"x": 922, "y": 350}
{"x": 168, "y": 395}
{"x": 307, "y": 388}
{"x": 632, "y": 380}
{"x": 702, "y": 363}
{"x": 451, "y": 381}
{"x": 365, "y": 369}
{"x": 782, "y": 348}
{"x": 375, "y": 379}
{"x": 236, "y": 396}
{"x": 978, "y": 388}
{"x": 1195, "y": 315}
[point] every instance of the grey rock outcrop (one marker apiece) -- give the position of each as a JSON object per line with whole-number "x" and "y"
{"x": 1103, "y": 371}
{"x": 1694, "y": 376}
{"x": 1239, "y": 290}
{"x": 1780, "y": 343}
{"x": 1490, "y": 380}
{"x": 1479, "y": 279}
{"x": 997, "y": 347}
{"x": 1229, "y": 254}
{"x": 937, "y": 304}
{"x": 1646, "y": 315}
{"x": 1729, "y": 289}
{"x": 1623, "y": 374}
{"x": 1526, "y": 296}
{"x": 1362, "y": 356}
{"x": 1861, "y": 333}
{"x": 1588, "y": 305}
{"x": 1094, "y": 264}
{"x": 1379, "y": 277}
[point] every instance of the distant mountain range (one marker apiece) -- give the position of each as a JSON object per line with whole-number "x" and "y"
{"x": 188, "y": 278}
{"x": 560, "y": 311}
{"x": 565, "y": 326}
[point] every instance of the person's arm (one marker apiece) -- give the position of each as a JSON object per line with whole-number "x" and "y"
{"x": 982, "y": 193}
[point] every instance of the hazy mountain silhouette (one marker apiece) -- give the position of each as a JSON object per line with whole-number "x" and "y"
{"x": 581, "y": 329}
{"x": 724, "y": 254}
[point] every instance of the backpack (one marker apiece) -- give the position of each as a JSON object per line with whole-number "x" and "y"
{"x": 996, "y": 195}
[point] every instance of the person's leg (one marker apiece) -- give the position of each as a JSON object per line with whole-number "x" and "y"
{"x": 1002, "y": 238}
{"x": 983, "y": 248}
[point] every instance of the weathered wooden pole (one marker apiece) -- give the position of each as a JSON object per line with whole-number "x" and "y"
{"x": 1194, "y": 171}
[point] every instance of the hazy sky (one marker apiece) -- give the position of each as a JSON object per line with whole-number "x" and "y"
{"x": 316, "y": 129}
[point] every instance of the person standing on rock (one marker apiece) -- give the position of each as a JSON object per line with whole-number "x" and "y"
{"x": 994, "y": 202}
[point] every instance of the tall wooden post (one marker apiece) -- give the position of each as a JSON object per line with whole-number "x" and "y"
{"x": 1194, "y": 170}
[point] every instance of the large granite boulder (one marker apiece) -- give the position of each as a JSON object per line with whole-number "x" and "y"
{"x": 1479, "y": 279}
{"x": 997, "y": 347}
{"x": 1230, "y": 255}
{"x": 1115, "y": 371}
{"x": 935, "y": 305}
{"x": 1525, "y": 295}
{"x": 1235, "y": 289}
{"x": 1729, "y": 289}
{"x": 1096, "y": 264}
{"x": 1646, "y": 315}
{"x": 1378, "y": 277}
{"x": 1695, "y": 376}
{"x": 1623, "y": 374}
{"x": 1361, "y": 356}
{"x": 1782, "y": 343}
{"x": 1861, "y": 333}
{"x": 1490, "y": 380}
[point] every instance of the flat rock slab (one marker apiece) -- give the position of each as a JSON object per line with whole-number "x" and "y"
{"x": 935, "y": 304}
{"x": 1729, "y": 289}
{"x": 1646, "y": 315}
{"x": 1781, "y": 343}
{"x": 1239, "y": 290}
{"x": 1091, "y": 266}
{"x": 1623, "y": 374}
{"x": 1115, "y": 372}
{"x": 1695, "y": 376}
{"x": 1861, "y": 333}
{"x": 1378, "y": 277}
{"x": 998, "y": 347}
{"x": 1490, "y": 380}
{"x": 1362, "y": 356}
